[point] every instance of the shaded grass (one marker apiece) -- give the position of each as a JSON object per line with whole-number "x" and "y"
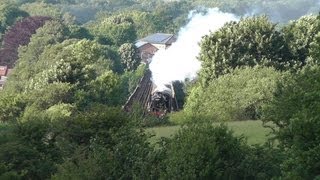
{"x": 252, "y": 130}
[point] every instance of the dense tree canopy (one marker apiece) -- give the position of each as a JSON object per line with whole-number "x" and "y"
{"x": 198, "y": 152}
{"x": 295, "y": 113}
{"x": 235, "y": 96}
{"x": 300, "y": 34}
{"x": 19, "y": 35}
{"x": 129, "y": 56}
{"x": 250, "y": 42}
{"x": 10, "y": 13}
{"x": 115, "y": 30}
{"x": 74, "y": 65}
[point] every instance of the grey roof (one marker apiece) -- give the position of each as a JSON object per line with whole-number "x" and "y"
{"x": 159, "y": 38}
{"x": 140, "y": 44}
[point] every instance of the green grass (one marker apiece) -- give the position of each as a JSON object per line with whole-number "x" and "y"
{"x": 252, "y": 130}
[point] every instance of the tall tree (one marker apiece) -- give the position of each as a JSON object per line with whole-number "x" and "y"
{"x": 249, "y": 42}
{"x": 9, "y": 14}
{"x": 236, "y": 96}
{"x": 19, "y": 35}
{"x": 50, "y": 10}
{"x": 294, "y": 115}
{"x": 117, "y": 30}
{"x": 299, "y": 34}
{"x": 129, "y": 56}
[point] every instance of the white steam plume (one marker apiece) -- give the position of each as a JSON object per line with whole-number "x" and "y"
{"x": 180, "y": 60}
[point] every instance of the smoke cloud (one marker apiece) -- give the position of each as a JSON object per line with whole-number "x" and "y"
{"x": 180, "y": 60}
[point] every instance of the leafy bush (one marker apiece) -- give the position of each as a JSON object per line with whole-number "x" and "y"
{"x": 11, "y": 106}
{"x": 19, "y": 34}
{"x": 263, "y": 162}
{"x": 300, "y": 34}
{"x": 179, "y": 117}
{"x": 247, "y": 43}
{"x": 108, "y": 145}
{"x": 235, "y": 96}
{"x": 295, "y": 112}
{"x": 204, "y": 152}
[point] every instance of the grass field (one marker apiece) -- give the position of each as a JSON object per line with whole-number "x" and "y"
{"x": 252, "y": 130}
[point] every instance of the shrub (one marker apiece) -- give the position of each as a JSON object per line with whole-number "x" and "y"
{"x": 235, "y": 96}
{"x": 204, "y": 152}
{"x": 295, "y": 112}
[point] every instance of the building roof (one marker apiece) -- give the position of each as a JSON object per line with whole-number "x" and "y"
{"x": 159, "y": 38}
{"x": 140, "y": 44}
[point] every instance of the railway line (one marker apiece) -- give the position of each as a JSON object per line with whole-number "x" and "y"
{"x": 152, "y": 100}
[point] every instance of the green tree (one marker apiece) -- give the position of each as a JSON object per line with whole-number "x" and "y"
{"x": 169, "y": 17}
{"x": 9, "y": 14}
{"x": 294, "y": 112}
{"x": 29, "y": 62}
{"x": 314, "y": 52}
{"x": 29, "y": 148}
{"x": 129, "y": 56}
{"x": 110, "y": 134}
{"x": 116, "y": 30}
{"x": 249, "y": 42}
{"x": 44, "y": 9}
{"x": 79, "y": 32}
{"x": 143, "y": 22}
{"x": 235, "y": 96}
{"x": 202, "y": 151}
{"x": 11, "y": 106}
{"x": 299, "y": 35}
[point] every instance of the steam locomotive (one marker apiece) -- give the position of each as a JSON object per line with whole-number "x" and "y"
{"x": 162, "y": 100}
{"x": 155, "y": 100}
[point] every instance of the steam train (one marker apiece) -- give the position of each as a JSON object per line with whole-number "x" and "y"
{"x": 162, "y": 100}
{"x": 155, "y": 100}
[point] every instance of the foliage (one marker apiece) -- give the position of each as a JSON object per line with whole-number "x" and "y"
{"x": 19, "y": 35}
{"x": 51, "y": 33}
{"x": 143, "y": 22}
{"x": 79, "y": 32}
{"x": 108, "y": 136}
{"x": 207, "y": 151}
{"x": 300, "y": 34}
{"x": 115, "y": 30}
{"x": 73, "y": 74}
{"x": 54, "y": 93}
{"x": 235, "y": 96}
{"x": 129, "y": 56}
{"x": 35, "y": 146}
{"x": 10, "y": 13}
{"x": 295, "y": 112}
{"x": 180, "y": 93}
{"x": 28, "y": 151}
{"x": 263, "y": 162}
{"x": 57, "y": 112}
{"x": 250, "y": 42}
{"x": 127, "y": 84}
{"x": 11, "y": 105}
{"x": 202, "y": 151}
{"x": 45, "y": 9}
{"x": 314, "y": 58}
{"x": 169, "y": 17}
